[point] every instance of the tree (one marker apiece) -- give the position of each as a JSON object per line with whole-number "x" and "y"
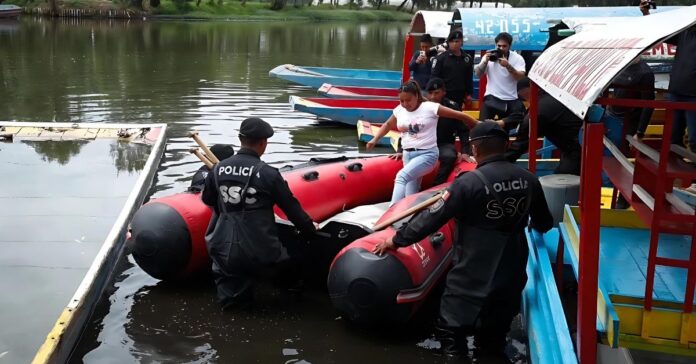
{"x": 53, "y": 4}
{"x": 278, "y": 4}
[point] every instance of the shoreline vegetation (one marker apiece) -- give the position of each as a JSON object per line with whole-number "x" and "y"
{"x": 219, "y": 10}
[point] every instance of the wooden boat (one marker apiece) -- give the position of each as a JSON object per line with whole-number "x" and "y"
{"x": 630, "y": 303}
{"x": 367, "y": 131}
{"x": 66, "y": 228}
{"x": 347, "y": 111}
{"x": 10, "y": 11}
{"x": 348, "y": 92}
{"x": 317, "y": 76}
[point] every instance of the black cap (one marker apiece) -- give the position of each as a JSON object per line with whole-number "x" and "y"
{"x": 487, "y": 129}
{"x": 255, "y": 128}
{"x": 455, "y": 35}
{"x": 523, "y": 83}
{"x": 435, "y": 84}
{"x": 222, "y": 151}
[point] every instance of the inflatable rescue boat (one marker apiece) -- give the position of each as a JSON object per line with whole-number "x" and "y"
{"x": 167, "y": 235}
{"x": 369, "y": 288}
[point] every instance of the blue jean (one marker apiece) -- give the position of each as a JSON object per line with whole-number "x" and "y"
{"x": 416, "y": 165}
{"x": 683, "y": 119}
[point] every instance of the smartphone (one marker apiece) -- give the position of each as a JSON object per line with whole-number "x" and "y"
{"x": 422, "y": 53}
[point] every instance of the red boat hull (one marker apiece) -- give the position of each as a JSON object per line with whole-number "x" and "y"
{"x": 167, "y": 234}
{"x": 358, "y": 92}
{"x": 369, "y": 288}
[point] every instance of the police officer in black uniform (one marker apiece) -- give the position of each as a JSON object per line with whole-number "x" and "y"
{"x": 456, "y": 68}
{"x": 555, "y": 122}
{"x": 222, "y": 152}
{"x": 242, "y": 236}
{"x": 447, "y": 130}
{"x": 492, "y": 206}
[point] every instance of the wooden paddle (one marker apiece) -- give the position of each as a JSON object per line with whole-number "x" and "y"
{"x": 410, "y": 211}
{"x": 204, "y": 147}
{"x": 200, "y": 156}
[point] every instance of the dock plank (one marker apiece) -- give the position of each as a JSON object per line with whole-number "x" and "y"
{"x": 107, "y": 133}
{"x": 87, "y": 134}
{"x": 28, "y": 132}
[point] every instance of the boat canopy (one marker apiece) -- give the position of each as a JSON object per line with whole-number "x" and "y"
{"x": 661, "y": 52}
{"x": 578, "y": 69}
{"x": 435, "y": 23}
{"x": 528, "y": 26}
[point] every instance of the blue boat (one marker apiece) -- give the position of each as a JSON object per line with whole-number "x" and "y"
{"x": 10, "y": 11}
{"x": 347, "y": 111}
{"x": 316, "y": 76}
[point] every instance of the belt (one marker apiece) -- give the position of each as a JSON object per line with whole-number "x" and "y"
{"x": 412, "y": 149}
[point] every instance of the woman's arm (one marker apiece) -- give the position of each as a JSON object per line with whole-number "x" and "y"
{"x": 388, "y": 125}
{"x": 453, "y": 114}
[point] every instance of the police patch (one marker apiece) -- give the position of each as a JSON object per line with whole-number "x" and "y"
{"x": 437, "y": 205}
{"x": 434, "y": 63}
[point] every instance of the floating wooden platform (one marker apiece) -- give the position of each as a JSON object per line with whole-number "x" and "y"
{"x": 67, "y": 193}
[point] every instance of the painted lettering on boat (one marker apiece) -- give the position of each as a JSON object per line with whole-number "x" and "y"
{"x": 422, "y": 254}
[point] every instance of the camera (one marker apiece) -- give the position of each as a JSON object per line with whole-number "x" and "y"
{"x": 432, "y": 52}
{"x": 494, "y": 54}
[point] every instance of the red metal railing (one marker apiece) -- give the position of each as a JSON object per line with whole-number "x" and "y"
{"x": 660, "y": 218}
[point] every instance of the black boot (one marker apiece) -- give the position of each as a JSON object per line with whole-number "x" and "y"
{"x": 443, "y": 341}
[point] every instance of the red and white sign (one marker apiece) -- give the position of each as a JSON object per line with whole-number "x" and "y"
{"x": 578, "y": 69}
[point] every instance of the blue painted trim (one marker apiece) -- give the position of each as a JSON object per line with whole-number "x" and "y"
{"x": 348, "y": 116}
{"x": 547, "y": 329}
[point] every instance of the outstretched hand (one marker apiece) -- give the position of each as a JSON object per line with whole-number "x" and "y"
{"x": 396, "y": 156}
{"x": 465, "y": 157}
{"x": 382, "y": 247}
{"x": 371, "y": 144}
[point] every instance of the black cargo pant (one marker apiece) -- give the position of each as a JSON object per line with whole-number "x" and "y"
{"x": 564, "y": 135}
{"x": 487, "y": 111}
{"x": 483, "y": 290}
{"x": 235, "y": 274}
{"x": 447, "y": 158}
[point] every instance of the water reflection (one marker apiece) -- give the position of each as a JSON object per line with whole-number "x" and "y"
{"x": 9, "y": 25}
{"x": 129, "y": 157}
{"x": 59, "y": 151}
{"x": 205, "y": 77}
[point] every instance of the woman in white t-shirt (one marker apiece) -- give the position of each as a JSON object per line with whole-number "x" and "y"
{"x": 416, "y": 119}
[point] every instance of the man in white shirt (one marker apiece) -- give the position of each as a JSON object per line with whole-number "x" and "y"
{"x": 503, "y": 69}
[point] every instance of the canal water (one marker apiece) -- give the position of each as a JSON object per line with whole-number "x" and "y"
{"x": 205, "y": 77}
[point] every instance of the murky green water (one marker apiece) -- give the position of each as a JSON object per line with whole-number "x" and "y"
{"x": 205, "y": 77}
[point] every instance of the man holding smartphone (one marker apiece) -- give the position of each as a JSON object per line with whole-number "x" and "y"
{"x": 420, "y": 64}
